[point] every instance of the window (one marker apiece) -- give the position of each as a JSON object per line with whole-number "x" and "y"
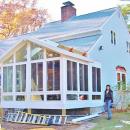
{"x": 21, "y": 55}
{"x": 54, "y": 97}
{"x": 121, "y": 77}
{"x": 96, "y": 79}
{"x": 51, "y": 54}
{"x": 83, "y": 97}
{"x": 96, "y": 97}
{"x": 113, "y": 37}
{"x": 37, "y": 97}
{"x": 118, "y": 77}
{"x": 71, "y": 76}
{"x": 37, "y": 76}
{"x": 53, "y": 75}
{"x": 8, "y": 98}
{"x": 72, "y": 97}
{"x": 20, "y": 78}
{"x": 9, "y": 60}
{"x": 36, "y": 52}
{"x": 7, "y": 79}
{"x": 121, "y": 81}
{"x": 83, "y": 77}
{"x": 128, "y": 46}
{"x": 20, "y": 98}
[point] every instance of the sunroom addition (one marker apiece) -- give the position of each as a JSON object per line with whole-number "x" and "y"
{"x": 40, "y": 75}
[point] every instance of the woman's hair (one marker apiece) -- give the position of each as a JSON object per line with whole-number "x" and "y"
{"x": 108, "y": 86}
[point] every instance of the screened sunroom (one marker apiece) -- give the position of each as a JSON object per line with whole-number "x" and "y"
{"x": 40, "y": 75}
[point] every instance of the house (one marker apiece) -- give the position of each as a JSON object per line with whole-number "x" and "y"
{"x": 58, "y": 66}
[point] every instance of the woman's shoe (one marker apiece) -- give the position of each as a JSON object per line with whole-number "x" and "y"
{"x": 108, "y": 118}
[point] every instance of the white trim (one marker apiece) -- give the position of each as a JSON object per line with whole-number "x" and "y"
{"x": 63, "y": 78}
{"x": 109, "y": 18}
{"x": 46, "y": 45}
{"x": 28, "y": 72}
{"x": 78, "y": 77}
{"x": 1, "y": 81}
{"x": 68, "y": 35}
{"x": 92, "y": 48}
{"x": 124, "y": 21}
{"x": 10, "y": 50}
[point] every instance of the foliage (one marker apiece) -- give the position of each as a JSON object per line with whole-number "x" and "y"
{"x": 19, "y": 17}
{"x": 121, "y": 85}
{"x": 125, "y": 9}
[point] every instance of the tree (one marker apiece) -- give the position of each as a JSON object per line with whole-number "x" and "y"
{"x": 20, "y": 16}
{"x": 125, "y": 9}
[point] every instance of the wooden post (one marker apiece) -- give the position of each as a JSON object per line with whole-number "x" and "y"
{"x": 29, "y": 111}
{"x": 63, "y": 111}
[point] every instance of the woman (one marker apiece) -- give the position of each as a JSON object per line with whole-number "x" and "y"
{"x": 108, "y": 99}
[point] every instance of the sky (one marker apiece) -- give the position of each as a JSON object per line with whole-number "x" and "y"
{"x": 82, "y": 6}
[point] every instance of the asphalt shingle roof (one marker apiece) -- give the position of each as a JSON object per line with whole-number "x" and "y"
{"x": 77, "y": 23}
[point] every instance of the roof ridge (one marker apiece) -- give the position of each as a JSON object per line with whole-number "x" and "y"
{"x": 90, "y": 13}
{"x": 101, "y": 10}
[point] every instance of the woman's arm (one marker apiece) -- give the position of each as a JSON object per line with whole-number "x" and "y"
{"x": 112, "y": 96}
{"x": 104, "y": 96}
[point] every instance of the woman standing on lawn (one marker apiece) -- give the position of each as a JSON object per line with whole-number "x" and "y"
{"x": 108, "y": 99}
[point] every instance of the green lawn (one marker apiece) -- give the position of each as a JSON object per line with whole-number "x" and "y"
{"x": 104, "y": 124}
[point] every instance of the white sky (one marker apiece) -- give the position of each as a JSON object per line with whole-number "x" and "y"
{"x": 82, "y": 6}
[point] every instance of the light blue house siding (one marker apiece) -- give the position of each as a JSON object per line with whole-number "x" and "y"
{"x": 113, "y": 55}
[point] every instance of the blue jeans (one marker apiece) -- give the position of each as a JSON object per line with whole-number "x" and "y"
{"x": 108, "y": 108}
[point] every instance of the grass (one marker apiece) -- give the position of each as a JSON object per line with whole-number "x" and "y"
{"x": 103, "y": 124}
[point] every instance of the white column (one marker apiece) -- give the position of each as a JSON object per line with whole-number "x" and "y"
{"x": 28, "y": 71}
{"x": 14, "y": 76}
{"x": 102, "y": 90}
{"x": 45, "y": 75}
{"x": 78, "y": 83}
{"x": 90, "y": 81}
{"x": 1, "y": 81}
{"x": 63, "y": 79}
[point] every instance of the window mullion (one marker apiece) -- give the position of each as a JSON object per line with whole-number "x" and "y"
{"x": 36, "y": 76}
{"x": 7, "y": 77}
{"x": 83, "y": 79}
{"x": 20, "y": 78}
{"x": 96, "y": 79}
{"x": 53, "y": 87}
{"x": 72, "y": 87}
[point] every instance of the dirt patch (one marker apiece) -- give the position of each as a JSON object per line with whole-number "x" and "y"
{"x": 15, "y": 126}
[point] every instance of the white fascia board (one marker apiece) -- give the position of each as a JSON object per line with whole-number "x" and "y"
{"x": 45, "y": 44}
{"x": 101, "y": 28}
{"x": 123, "y": 20}
{"x": 57, "y": 49}
{"x": 74, "y": 34}
{"x": 92, "y": 48}
{"x": 10, "y": 49}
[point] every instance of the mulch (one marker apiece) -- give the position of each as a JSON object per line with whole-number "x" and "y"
{"x": 15, "y": 126}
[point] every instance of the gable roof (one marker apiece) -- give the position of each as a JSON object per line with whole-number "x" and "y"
{"x": 87, "y": 22}
{"x": 77, "y": 23}
{"x": 47, "y": 44}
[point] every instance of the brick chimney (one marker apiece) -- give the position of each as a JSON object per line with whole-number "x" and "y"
{"x": 67, "y": 11}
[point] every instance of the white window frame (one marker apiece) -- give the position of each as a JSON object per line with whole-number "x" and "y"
{"x": 121, "y": 80}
